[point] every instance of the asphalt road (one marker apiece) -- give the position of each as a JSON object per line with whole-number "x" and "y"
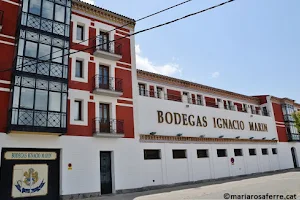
{"x": 287, "y": 183}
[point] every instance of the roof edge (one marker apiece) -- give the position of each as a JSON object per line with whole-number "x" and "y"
{"x": 98, "y": 11}
{"x": 184, "y": 83}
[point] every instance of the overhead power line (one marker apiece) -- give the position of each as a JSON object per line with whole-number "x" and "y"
{"x": 118, "y": 27}
{"x": 153, "y": 27}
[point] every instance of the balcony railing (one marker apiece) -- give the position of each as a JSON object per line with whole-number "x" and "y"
{"x": 289, "y": 118}
{"x": 37, "y": 121}
{"x": 108, "y": 85}
{"x": 111, "y": 51}
{"x": 112, "y": 47}
{"x": 38, "y": 22}
{"x": 294, "y": 137}
{"x": 108, "y": 127}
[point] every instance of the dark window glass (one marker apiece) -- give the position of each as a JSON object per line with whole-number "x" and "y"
{"x": 238, "y": 152}
{"x": 47, "y": 10}
{"x": 274, "y": 150}
{"x": 79, "y": 33}
{"x": 41, "y": 100}
{"x": 159, "y": 89}
{"x": 31, "y": 49}
{"x": 202, "y": 153}
{"x": 264, "y": 151}
{"x": 199, "y": 99}
{"x": 44, "y": 52}
{"x": 77, "y": 110}
{"x": 142, "y": 89}
{"x": 59, "y": 13}
{"x": 27, "y": 98}
{"x": 177, "y": 154}
{"x": 151, "y": 154}
{"x": 265, "y": 111}
{"x": 78, "y": 70}
{"x": 35, "y": 7}
{"x": 104, "y": 41}
{"x": 221, "y": 152}
{"x": 252, "y": 152}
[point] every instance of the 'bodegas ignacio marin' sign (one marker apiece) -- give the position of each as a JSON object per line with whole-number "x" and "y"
{"x": 221, "y": 123}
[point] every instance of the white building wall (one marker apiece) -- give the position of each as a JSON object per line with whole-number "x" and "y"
{"x": 130, "y": 170}
{"x": 148, "y": 117}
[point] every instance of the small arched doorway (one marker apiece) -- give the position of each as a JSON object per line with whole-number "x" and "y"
{"x": 294, "y": 155}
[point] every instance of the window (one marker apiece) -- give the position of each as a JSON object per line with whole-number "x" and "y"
{"x": 79, "y": 70}
{"x": 78, "y": 110}
{"x": 59, "y": 13}
{"x": 264, "y": 151}
{"x": 27, "y": 98}
{"x": 41, "y": 100}
{"x": 159, "y": 90}
{"x": 57, "y": 55}
{"x": 202, "y": 153}
{"x": 142, "y": 89}
{"x": 31, "y": 49}
{"x": 79, "y": 33}
{"x": 54, "y": 101}
{"x": 274, "y": 150}
{"x": 35, "y": 7}
{"x": 47, "y": 10}
{"x": 222, "y": 152}
{"x": 104, "y": 41}
{"x": 244, "y": 107}
{"x": 265, "y": 111}
{"x": 238, "y": 152}
{"x": 178, "y": 154}
{"x": 151, "y": 154}
{"x": 44, "y": 52}
{"x": 199, "y": 99}
{"x": 185, "y": 93}
{"x": 252, "y": 152}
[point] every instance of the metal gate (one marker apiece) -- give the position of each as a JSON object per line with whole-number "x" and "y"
{"x": 29, "y": 174}
{"x": 105, "y": 172}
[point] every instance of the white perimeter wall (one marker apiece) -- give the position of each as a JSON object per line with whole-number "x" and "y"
{"x": 130, "y": 170}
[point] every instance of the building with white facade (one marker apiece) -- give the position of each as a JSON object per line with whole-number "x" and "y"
{"x": 78, "y": 120}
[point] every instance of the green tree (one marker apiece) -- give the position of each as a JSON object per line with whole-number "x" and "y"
{"x": 296, "y": 116}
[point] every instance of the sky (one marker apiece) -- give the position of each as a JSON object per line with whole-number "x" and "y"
{"x": 250, "y": 47}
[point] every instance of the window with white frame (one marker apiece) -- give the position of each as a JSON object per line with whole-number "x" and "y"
{"x": 79, "y": 69}
{"x": 78, "y": 110}
{"x": 80, "y": 32}
{"x": 159, "y": 91}
{"x": 142, "y": 89}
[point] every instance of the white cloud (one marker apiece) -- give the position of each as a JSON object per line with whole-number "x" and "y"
{"x": 89, "y": 1}
{"x": 143, "y": 63}
{"x": 215, "y": 74}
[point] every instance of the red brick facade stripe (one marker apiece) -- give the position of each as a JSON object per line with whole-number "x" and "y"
{"x": 123, "y": 65}
{"x": 125, "y": 101}
{"x": 126, "y": 113}
{"x": 122, "y": 33}
{"x": 5, "y": 39}
{"x": 2, "y": 85}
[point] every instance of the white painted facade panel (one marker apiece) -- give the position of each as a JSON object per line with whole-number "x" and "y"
{"x": 148, "y": 115}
